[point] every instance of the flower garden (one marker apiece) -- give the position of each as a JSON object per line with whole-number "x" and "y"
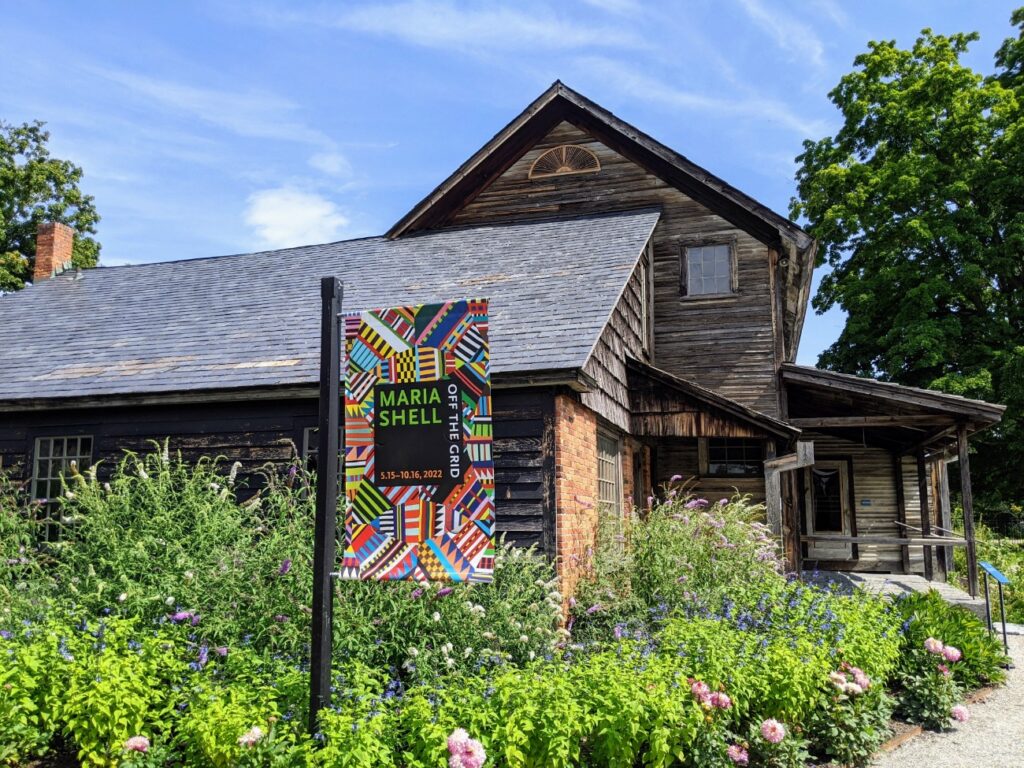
{"x": 169, "y": 626}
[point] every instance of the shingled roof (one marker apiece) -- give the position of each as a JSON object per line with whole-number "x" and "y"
{"x": 253, "y": 319}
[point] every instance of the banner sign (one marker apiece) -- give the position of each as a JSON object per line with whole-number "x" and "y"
{"x": 419, "y": 474}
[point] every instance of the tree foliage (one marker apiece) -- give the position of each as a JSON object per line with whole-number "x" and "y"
{"x": 35, "y": 187}
{"x": 918, "y": 204}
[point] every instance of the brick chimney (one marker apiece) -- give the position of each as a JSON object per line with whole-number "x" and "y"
{"x": 53, "y": 250}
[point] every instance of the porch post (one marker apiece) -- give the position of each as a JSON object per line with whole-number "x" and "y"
{"x": 926, "y": 523}
{"x": 968, "y": 501}
{"x": 945, "y": 511}
{"x": 901, "y": 510}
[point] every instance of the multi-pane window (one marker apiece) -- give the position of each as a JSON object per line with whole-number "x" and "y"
{"x": 54, "y": 459}
{"x": 609, "y": 473}
{"x": 707, "y": 270}
{"x": 735, "y": 457}
{"x": 310, "y": 447}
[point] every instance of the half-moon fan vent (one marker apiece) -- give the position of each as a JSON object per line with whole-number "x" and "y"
{"x": 563, "y": 160}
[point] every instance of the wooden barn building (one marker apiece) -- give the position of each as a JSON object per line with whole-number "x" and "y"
{"x": 645, "y": 318}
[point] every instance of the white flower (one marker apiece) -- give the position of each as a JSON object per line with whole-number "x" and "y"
{"x": 69, "y": 494}
{"x": 169, "y": 601}
{"x": 467, "y": 652}
{"x": 414, "y": 652}
{"x": 142, "y": 472}
{"x": 524, "y": 639}
{"x": 448, "y": 648}
{"x": 250, "y": 737}
{"x": 450, "y": 662}
{"x": 532, "y": 655}
{"x": 122, "y": 597}
{"x": 488, "y": 635}
{"x": 436, "y": 616}
{"x": 189, "y": 575}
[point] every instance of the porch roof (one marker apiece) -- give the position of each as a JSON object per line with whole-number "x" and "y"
{"x": 664, "y": 404}
{"x": 894, "y": 416}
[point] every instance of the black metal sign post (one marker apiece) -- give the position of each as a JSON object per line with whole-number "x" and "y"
{"x": 326, "y": 527}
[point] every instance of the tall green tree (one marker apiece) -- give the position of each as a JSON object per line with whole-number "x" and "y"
{"x": 35, "y": 187}
{"x": 918, "y": 204}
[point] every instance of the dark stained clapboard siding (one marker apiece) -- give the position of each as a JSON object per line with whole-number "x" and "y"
{"x": 261, "y": 431}
{"x": 724, "y": 344}
{"x": 679, "y": 457}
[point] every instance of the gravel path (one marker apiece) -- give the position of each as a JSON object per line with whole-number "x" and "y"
{"x": 992, "y": 738}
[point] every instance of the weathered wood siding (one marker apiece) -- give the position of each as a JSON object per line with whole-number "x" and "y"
{"x": 624, "y": 336}
{"x": 679, "y": 457}
{"x": 261, "y": 431}
{"x": 727, "y": 344}
{"x": 874, "y": 479}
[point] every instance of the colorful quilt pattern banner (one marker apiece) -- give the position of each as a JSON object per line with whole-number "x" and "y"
{"x": 419, "y": 472}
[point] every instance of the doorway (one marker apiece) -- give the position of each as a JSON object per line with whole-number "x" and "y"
{"x": 829, "y": 510}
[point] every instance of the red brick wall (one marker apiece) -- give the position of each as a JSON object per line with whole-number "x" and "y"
{"x": 54, "y": 242}
{"x": 575, "y": 487}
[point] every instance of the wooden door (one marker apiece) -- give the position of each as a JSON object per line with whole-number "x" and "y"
{"x": 829, "y": 511}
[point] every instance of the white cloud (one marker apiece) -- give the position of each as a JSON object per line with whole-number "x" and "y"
{"x": 285, "y": 216}
{"x": 790, "y": 35}
{"x": 627, "y": 80}
{"x": 253, "y": 114}
{"x": 618, "y": 7}
{"x": 480, "y": 27}
{"x": 331, "y": 163}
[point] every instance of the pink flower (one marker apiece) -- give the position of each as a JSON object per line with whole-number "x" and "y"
{"x": 944, "y": 670}
{"x": 137, "y": 744}
{"x": 838, "y": 679}
{"x": 720, "y": 700}
{"x": 465, "y": 752}
{"x": 933, "y": 646}
{"x": 960, "y": 713}
{"x": 457, "y": 740}
{"x": 700, "y": 690}
{"x": 675, "y": 478}
{"x": 951, "y": 654}
{"x": 250, "y": 737}
{"x": 737, "y": 754}
{"x": 773, "y": 731}
{"x": 860, "y": 678}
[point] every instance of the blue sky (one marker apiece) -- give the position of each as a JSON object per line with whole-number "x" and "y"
{"x": 221, "y": 127}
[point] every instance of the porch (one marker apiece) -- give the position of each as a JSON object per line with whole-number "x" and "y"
{"x": 873, "y": 493}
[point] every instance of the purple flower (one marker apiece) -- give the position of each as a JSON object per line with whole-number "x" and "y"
{"x": 593, "y": 609}
{"x": 286, "y": 565}
{"x": 181, "y": 616}
{"x": 195, "y": 619}
{"x": 737, "y": 754}
{"x": 444, "y": 591}
{"x": 675, "y": 478}
{"x": 280, "y": 618}
{"x": 696, "y": 503}
{"x": 572, "y": 602}
{"x": 5, "y": 634}
{"x": 221, "y": 650}
{"x": 723, "y": 502}
{"x": 417, "y": 593}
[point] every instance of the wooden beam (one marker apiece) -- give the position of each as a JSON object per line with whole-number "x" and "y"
{"x": 889, "y": 541}
{"x": 926, "y": 522}
{"x": 772, "y": 491}
{"x": 968, "y": 502}
{"x": 872, "y": 421}
{"x": 920, "y": 445}
{"x": 901, "y": 511}
{"x": 802, "y": 457}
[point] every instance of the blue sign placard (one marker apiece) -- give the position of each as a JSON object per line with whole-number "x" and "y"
{"x": 994, "y": 572}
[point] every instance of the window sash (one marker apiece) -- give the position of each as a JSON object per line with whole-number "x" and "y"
{"x": 709, "y": 270}
{"x": 52, "y": 461}
{"x": 609, "y": 473}
{"x": 735, "y": 457}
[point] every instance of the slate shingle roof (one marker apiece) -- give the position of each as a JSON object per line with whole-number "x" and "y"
{"x": 253, "y": 319}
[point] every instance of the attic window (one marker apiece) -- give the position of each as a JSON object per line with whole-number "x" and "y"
{"x": 564, "y": 160}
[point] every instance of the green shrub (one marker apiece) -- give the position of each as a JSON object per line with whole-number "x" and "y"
{"x": 928, "y": 615}
{"x": 681, "y": 552}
